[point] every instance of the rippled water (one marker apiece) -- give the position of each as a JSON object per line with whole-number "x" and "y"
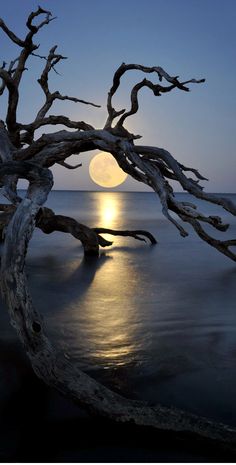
{"x": 154, "y": 322}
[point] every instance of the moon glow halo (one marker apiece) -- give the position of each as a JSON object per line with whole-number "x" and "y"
{"x": 105, "y": 171}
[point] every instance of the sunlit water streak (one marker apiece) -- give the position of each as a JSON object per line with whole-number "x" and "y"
{"x": 158, "y": 323}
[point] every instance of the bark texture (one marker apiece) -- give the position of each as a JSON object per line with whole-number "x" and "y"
{"x": 23, "y": 155}
{"x": 90, "y": 238}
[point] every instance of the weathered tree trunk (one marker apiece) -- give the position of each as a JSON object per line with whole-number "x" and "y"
{"x": 54, "y": 369}
{"x": 23, "y": 155}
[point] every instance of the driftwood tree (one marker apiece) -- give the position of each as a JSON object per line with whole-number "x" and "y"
{"x": 25, "y": 156}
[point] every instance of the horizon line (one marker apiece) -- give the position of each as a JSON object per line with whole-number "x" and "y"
{"x": 129, "y": 192}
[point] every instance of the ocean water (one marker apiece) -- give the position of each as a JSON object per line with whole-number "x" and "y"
{"x": 152, "y": 322}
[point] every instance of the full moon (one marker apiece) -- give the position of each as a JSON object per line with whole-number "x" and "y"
{"x": 105, "y": 171}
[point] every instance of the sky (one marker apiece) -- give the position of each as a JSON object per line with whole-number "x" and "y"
{"x": 189, "y": 38}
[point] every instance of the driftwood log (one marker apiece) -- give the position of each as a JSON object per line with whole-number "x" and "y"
{"x": 23, "y": 155}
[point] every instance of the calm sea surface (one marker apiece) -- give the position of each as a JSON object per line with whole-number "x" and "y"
{"x": 153, "y": 322}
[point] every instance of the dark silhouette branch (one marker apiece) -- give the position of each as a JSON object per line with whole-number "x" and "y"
{"x": 27, "y": 137}
{"x": 28, "y": 47}
{"x": 53, "y": 368}
{"x": 156, "y": 88}
{"x": 69, "y": 167}
{"x": 90, "y": 238}
{"x": 52, "y": 60}
{"x": 12, "y": 36}
{"x": 136, "y": 234}
{"x": 152, "y": 166}
{"x": 12, "y": 80}
{"x": 157, "y": 91}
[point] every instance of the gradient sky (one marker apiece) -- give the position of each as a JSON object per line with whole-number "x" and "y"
{"x": 189, "y": 38}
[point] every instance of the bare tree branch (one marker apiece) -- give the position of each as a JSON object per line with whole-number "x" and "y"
{"x": 51, "y": 366}
{"x": 156, "y": 88}
{"x": 52, "y": 60}
{"x": 136, "y": 234}
{"x": 11, "y": 34}
{"x": 187, "y": 184}
{"x": 27, "y": 48}
{"x": 33, "y": 28}
{"x": 90, "y": 238}
{"x": 69, "y": 167}
{"x": 152, "y": 166}
{"x": 5, "y": 77}
{"x": 135, "y": 161}
{"x": 157, "y": 91}
{"x": 11, "y": 80}
{"x": 54, "y": 120}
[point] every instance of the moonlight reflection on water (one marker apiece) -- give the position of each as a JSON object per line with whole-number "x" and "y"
{"x": 110, "y": 321}
{"x": 109, "y": 210}
{"x": 159, "y": 320}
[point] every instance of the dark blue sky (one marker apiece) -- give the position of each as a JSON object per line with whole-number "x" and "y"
{"x": 189, "y": 38}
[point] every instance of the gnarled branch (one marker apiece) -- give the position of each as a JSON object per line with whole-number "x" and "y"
{"x": 51, "y": 366}
{"x": 150, "y": 165}
{"x": 90, "y": 238}
{"x": 28, "y": 47}
{"x": 138, "y": 234}
{"x": 156, "y": 88}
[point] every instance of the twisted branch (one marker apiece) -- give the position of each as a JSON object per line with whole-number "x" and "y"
{"x": 11, "y": 79}
{"x": 28, "y": 47}
{"x": 136, "y": 234}
{"x": 150, "y": 165}
{"x": 156, "y": 88}
{"x": 186, "y": 212}
{"x": 52, "y": 60}
{"x": 50, "y": 365}
{"x": 90, "y": 238}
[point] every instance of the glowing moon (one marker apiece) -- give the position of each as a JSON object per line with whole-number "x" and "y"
{"x": 105, "y": 171}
